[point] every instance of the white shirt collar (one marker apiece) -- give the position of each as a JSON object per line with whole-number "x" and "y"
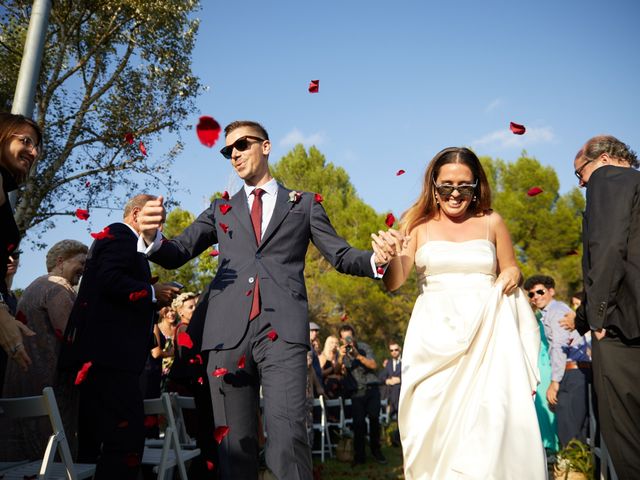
{"x": 132, "y": 229}
{"x": 271, "y": 188}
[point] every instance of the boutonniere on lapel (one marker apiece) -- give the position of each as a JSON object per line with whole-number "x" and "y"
{"x": 294, "y": 197}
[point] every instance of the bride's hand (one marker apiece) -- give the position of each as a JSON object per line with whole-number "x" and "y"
{"x": 509, "y": 278}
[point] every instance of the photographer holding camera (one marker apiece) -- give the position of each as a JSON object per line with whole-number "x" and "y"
{"x": 359, "y": 362}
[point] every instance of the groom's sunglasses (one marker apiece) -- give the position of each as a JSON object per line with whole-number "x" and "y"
{"x": 464, "y": 189}
{"x": 536, "y": 292}
{"x": 241, "y": 145}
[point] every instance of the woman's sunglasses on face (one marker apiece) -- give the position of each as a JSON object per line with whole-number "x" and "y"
{"x": 464, "y": 189}
{"x": 241, "y": 145}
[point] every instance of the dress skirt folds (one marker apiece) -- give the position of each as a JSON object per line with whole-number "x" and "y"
{"x": 469, "y": 369}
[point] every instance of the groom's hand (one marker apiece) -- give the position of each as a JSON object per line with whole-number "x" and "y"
{"x": 387, "y": 245}
{"x": 151, "y": 218}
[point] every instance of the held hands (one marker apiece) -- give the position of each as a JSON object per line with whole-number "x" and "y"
{"x": 11, "y": 331}
{"x": 509, "y": 278}
{"x": 387, "y": 245}
{"x": 165, "y": 293}
{"x": 151, "y": 218}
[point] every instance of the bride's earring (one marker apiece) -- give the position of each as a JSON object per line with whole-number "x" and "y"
{"x": 474, "y": 198}
{"x": 437, "y": 201}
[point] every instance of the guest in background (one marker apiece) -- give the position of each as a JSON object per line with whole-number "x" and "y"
{"x": 12, "y": 302}
{"x": 331, "y": 369}
{"x": 391, "y": 377}
{"x": 166, "y": 330}
{"x": 45, "y": 306}
{"x": 151, "y": 378}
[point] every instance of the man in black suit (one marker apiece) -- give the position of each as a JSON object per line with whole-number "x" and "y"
{"x": 611, "y": 274}
{"x": 253, "y": 322}
{"x": 391, "y": 377}
{"x": 111, "y": 327}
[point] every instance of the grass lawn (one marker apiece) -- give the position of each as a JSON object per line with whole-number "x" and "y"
{"x": 332, "y": 469}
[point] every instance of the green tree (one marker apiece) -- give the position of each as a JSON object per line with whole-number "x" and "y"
{"x": 110, "y": 68}
{"x": 545, "y": 228}
{"x": 196, "y": 274}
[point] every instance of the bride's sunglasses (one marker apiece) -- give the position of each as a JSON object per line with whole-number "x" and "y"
{"x": 464, "y": 189}
{"x": 241, "y": 145}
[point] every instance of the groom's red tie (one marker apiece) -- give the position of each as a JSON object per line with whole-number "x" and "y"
{"x": 256, "y": 220}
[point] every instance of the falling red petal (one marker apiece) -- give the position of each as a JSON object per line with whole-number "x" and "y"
{"x": 224, "y": 227}
{"x": 249, "y": 292}
{"x": 344, "y": 317}
{"x": 143, "y": 149}
{"x": 150, "y": 421}
{"x": 154, "y": 280}
{"x": 21, "y": 317}
{"x": 103, "y": 234}
{"x": 209, "y": 465}
{"x": 400, "y": 172}
{"x": 82, "y": 373}
{"x": 242, "y": 361}
{"x": 87, "y": 184}
{"x": 129, "y": 138}
{"x": 200, "y": 380}
{"x": 82, "y": 214}
{"x": 196, "y": 360}
{"x": 10, "y": 247}
{"x": 517, "y": 129}
{"x": 214, "y": 253}
{"x": 390, "y": 220}
{"x": 534, "y": 191}
{"x": 314, "y": 86}
{"x": 208, "y": 131}
{"x": 225, "y": 195}
{"x": 59, "y": 335}
{"x": 220, "y": 372}
{"x": 220, "y": 432}
{"x": 273, "y": 335}
{"x": 318, "y": 198}
{"x": 184, "y": 340}
{"x": 135, "y": 296}
{"x": 224, "y": 208}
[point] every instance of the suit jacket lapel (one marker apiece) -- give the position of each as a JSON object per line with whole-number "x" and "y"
{"x": 281, "y": 209}
{"x": 240, "y": 210}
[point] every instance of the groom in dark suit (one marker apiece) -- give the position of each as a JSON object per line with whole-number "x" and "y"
{"x": 611, "y": 274}
{"x": 253, "y": 321}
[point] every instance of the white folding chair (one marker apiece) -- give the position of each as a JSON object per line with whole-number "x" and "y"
{"x": 325, "y": 442}
{"x": 348, "y": 417}
{"x": 339, "y": 424}
{"x": 180, "y": 403}
{"x": 385, "y": 408}
{"x": 171, "y": 454}
{"x": 47, "y": 468}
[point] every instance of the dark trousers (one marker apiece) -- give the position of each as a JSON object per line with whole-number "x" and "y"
{"x": 572, "y": 409}
{"x": 617, "y": 385}
{"x": 111, "y": 423}
{"x": 281, "y": 369}
{"x": 366, "y": 405}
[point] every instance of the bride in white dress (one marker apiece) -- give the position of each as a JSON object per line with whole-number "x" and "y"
{"x": 469, "y": 363}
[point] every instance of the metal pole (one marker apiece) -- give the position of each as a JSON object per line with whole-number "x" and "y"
{"x": 24, "y": 96}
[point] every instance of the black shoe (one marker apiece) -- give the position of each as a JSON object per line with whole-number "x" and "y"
{"x": 357, "y": 461}
{"x": 379, "y": 457}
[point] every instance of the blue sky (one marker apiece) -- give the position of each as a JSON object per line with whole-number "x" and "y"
{"x": 399, "y": 81}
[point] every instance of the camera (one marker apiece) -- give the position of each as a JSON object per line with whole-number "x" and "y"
{"x": 348, "y": 348}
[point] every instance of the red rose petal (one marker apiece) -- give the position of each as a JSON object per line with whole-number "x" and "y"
{"x": 129, "y": 138}
{"x": 314, "y": 86}
{"x": 10, "y": 247}
{"x": 103, "y": 234}
{"x": 572, "y": 252}
{"x": 196, "y": 360}
{"x": 534, "y": 191}
{"x": 344, "y": 317}
{"x": 318, "y": 198}
{"x": 220, "y": 432}
{"x": 220, "y": 372}
{"x": 21, "y": 317}
{"x": 249, "y": 292}
{"x": 224, "y": 208}
{"x": 208, "y": 131}
{"x": 209, "y": 465}
{"x": 400, "y": 172}
{"x": 87, "y": 184}
{"x": 242, "y": 361}
{"x": 184, "y": 340}
{"x": 517, "y": 129}
{"x": 224, "y": 227}
{"x": 225, "y": 195}
{"x": 143, "y": 149}
{"x": 82, "y": 214}
{"x": 390, "y": 220}
{"x": 58, "y": 333}
{"x": 154, "y": 280}
{"x": 272, "y": 335}
{"x": 380, "y": 270}
{"x": 82, "y": 373}
{"x": 201, "y": 380}
{"x": 214, "y": 253}
{"x": 135, "y": 296}
{"x": 150, "y": 421}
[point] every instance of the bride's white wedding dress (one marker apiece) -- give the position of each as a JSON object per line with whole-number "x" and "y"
{"x": 469, "y": 368}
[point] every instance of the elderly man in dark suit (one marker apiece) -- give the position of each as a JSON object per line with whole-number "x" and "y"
{"x": 252, "y": 323}
{"x": 108, "y": 338}
{"x": 611, "y": 271}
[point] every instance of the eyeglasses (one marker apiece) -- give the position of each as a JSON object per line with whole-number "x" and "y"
{"x": 578, "y": 172}
{"x": 537, "y": 292}
{"x": 28, "y": 142}
{"x": 394, "y": 349}
{"x": 241, "y": 145}
{"x": 464, "y": 189}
